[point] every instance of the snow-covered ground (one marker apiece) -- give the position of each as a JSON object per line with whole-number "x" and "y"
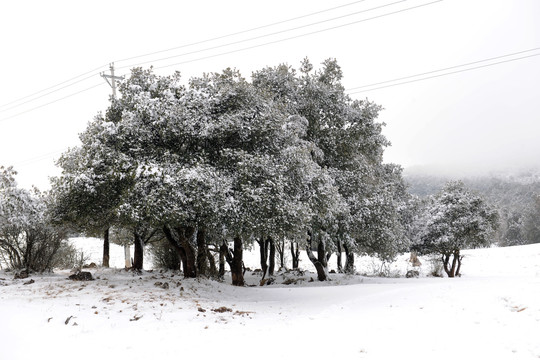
{"x": 491, "y": 312}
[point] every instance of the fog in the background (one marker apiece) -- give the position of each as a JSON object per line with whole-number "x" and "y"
{"x": 480, "y": 120}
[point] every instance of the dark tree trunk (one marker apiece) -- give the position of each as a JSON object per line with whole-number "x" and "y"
{"x": 202, "y": 253}
{"x": 320, "y": 262}
{"x": 295, "y": 254}
{"x": 212, "y": 269}
{"x": 138, "y": 252}
{"x": 349, "y": 260}
{"x": 338, "y": 253}
{"x": 237, "y": 263}
{"x": 280, "y": 247}
{"x": 185, "y": 234}
{"x": 451, "y": 270}
{"x": 106, "y": 248}
{"x": 223, "y": 252}
{"x": 272, "y": 259}
{"x": 459, "y": 257}
{"x": 176, "y": 245}
{"x": 263, "y": 252}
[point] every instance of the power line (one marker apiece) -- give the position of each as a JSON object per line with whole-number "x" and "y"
{"x": 51, "y": 102}
{"x": 261, "y": 36}
{"x": 38, "y": 158}
{"x": 439, "y": 75}
{"x": 32, "y": 97}
{"x": 298, "y": 36}
{"x": 48, "y": 93}
{"x": 444, "y": 69}
{"x": 45, "y": 156}
{"x": 242, "y": 31}
{"x": 52, "y": 87}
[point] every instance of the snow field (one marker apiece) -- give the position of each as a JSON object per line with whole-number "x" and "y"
{"x": 492, "y": 312}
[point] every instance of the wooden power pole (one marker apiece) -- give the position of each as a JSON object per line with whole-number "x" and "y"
{"x": 112, "y": 83}
{"x": 113, "y": 78}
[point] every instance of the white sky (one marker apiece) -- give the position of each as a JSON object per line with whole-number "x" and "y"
{"x": 482, "y": 119}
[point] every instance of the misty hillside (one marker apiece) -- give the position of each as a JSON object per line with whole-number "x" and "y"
{"x": 514, "y": 193}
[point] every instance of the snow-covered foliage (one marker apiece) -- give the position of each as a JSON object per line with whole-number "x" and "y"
{"x": 27, "y": 238}
{"x": 456, "y": 219}
{"x": 282, "y": 156}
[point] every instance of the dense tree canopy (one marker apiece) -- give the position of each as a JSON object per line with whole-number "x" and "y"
{"x": 287, "y": 155}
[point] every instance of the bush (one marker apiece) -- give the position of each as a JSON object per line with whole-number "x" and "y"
{"x": 68, "y": 257}
{"x": 164, "y": 255}
{"x": 27, "y": 238}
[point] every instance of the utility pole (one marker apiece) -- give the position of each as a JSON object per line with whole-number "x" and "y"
{"x": 112, "y": 83}
{"x": 113, "y": 78}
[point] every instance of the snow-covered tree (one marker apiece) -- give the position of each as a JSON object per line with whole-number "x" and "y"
{"x": 348, "y": 145}
{"x": 456, "y": 219}
{"x": 27, "y": 238}
{"x": 95, "y": 177}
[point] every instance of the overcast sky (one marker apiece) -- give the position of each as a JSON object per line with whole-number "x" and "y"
{"x": 482, "y": 119}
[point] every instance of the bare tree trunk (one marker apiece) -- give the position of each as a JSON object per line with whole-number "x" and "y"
{"x": 176, "y": 245}
{"x": 185, "y": 234}
{"x": 280, "y": 246}
{"x": 295, "y": 254}
{"x": 138, "y": 253}
{"x": 459, "y": 258}
{"x": 272, "y": 260}
{"x": 349, "y": 260}
{"x": 237, "y": 273}
{"x": 263, "y": 251}
{"x": 320, "y": 262}
{"x": 223, "y": 251}
{"x": 212, "y": 269}
{"x": 202, "y": 267}
{"x": 338, "y": 253}
{"x": 451, "y": 271}
{"x": 106, "y": 248}
{"x": 127, "y": 256}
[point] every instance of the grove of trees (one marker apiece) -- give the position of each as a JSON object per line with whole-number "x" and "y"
{"x": 204, "y": 169}
{"x": 222, "y": 160}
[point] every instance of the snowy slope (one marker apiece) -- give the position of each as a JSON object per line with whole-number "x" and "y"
{"x": 492, "y": 312}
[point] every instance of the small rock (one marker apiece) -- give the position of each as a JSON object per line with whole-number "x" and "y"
{"x": 31, "y": 281}
{"x": 289, "y": 281}
{"x": 81, "y": 276}
{"x": 222, "y": 309}
{"x": 23, "y": 274}
{"x": 268, "y": 281}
